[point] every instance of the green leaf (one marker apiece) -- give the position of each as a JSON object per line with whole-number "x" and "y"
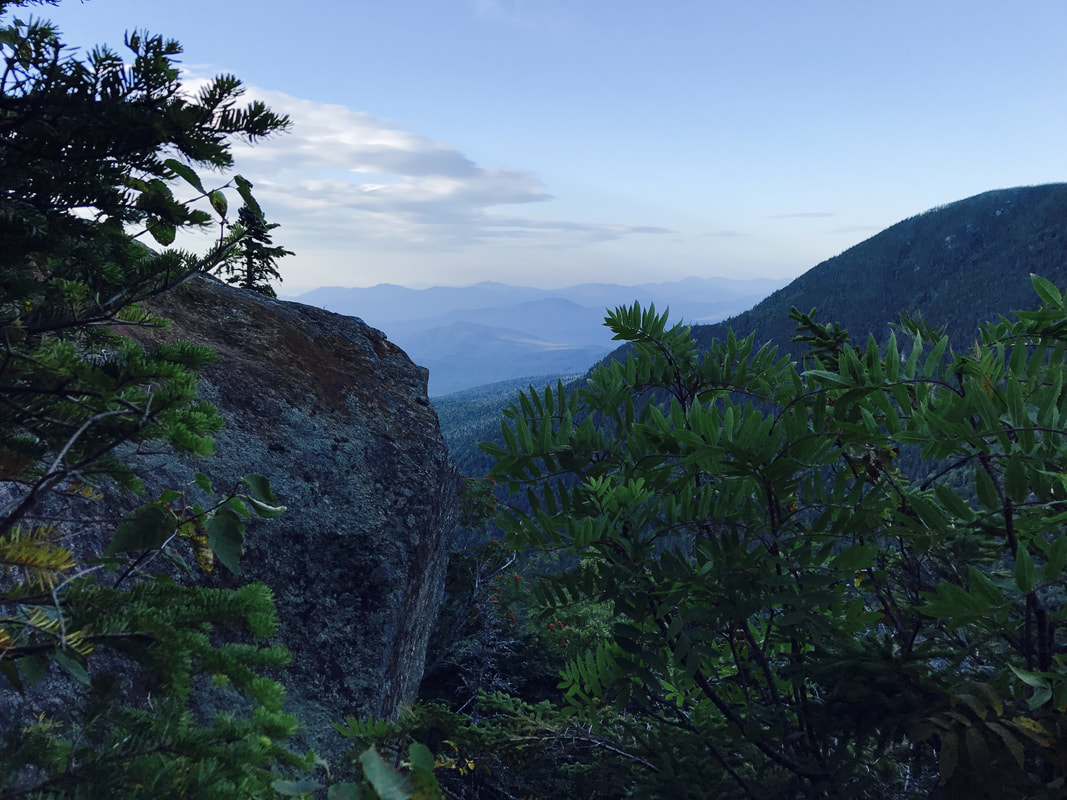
{"x": 145, "y": 528}
{"x": 1015, "y": 482}
{"x": 892, "y": 359}
{"x": 1047, "y": 291}
{"x": 163, "y": 232}
{"x": 260, "y": 487}
{"x": 203, "y": 481}
{"x": 344, "y": 791}
{"x": 387, "y": 782}
{"x": 987, "y": 490}
{"x": 244, "y": 188}
{"x": 11, "y": 672}
{"x": 1056, "y": 560}
{"x": 953, "y": 503}
{"x": 422, "y": 763}
{"x": 238, "y": 505}
{"x": 933, "y": 360}
{"x": 264, "y": 510}
{"x": 948, "y": 758}
{"x": 295, "y": 788}
{"x": 225, "y": 536}
{"x": 1024, "y": 570}
{"x": 1014, "y": 746}
{"x": 1039, "y": 683}
{"x": 72, "y": 666}
{"x": 824, "y": 376}
{"x": 420, "y": 757}
{"x": 218, "y": 202}
{"x": 980, "y": 584}
{"x": 184, "y": 172}
{"x": 977, "y": 749}
{"x": 854, "y": 558}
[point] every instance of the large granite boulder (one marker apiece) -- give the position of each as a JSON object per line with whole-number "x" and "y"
{"x": 338, "y": 419}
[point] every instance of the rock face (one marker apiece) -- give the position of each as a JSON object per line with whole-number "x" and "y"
{"x": 338, "y": 419}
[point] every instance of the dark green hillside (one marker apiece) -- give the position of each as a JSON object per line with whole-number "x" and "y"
{"x": 958, "y": 265}
{"x": 473, "y": 415}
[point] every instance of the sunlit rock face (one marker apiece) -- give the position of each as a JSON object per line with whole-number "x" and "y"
{"x": 337, "y": 418}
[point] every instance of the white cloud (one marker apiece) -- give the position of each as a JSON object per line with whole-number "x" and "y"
{"x": 343, "y": 179}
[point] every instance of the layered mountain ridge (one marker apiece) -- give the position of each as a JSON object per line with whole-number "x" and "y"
{"x": 489, "y": 332}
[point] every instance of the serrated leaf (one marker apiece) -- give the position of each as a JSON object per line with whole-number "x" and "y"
{"x": 203, "y": 481}
{"x": 981, "y": 585}
{"x": 977, "y": 749}
{"x": 225, "y": 536}
{"x": 992, "y": 696}
{"x": 1032, "y": 729}
{"x": 1015, "y": 483}
{"x": 145, "y": 528}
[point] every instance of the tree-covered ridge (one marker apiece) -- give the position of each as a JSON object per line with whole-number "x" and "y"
{"x": 957, "y": 266}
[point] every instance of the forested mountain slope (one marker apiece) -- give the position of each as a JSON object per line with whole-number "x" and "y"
{"x": 956, "y": 265}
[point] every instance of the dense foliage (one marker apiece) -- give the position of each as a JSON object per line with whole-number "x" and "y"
{"x": 794, "y": 615}
{"x": 88, "y": 150}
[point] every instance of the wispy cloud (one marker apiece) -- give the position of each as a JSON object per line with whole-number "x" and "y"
{"x": 343, "y": 175}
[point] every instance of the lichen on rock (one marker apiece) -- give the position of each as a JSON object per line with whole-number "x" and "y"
{"x": 338, "y": 419}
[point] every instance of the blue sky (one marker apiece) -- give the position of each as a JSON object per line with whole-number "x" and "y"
{"x": 552, "y": 142}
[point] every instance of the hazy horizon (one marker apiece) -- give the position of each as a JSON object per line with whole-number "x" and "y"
{"x": 554, "y": 143}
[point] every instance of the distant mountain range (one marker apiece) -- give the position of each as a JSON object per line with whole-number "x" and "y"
{"x": 957, "y": 265}
{"x": 489, "y": 332}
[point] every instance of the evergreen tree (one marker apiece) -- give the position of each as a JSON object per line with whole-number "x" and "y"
{"x": 88, "y": 150}
{"x": 252, "y": 262}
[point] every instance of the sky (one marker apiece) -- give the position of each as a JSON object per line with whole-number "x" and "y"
{"x": 554, "y": 142}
